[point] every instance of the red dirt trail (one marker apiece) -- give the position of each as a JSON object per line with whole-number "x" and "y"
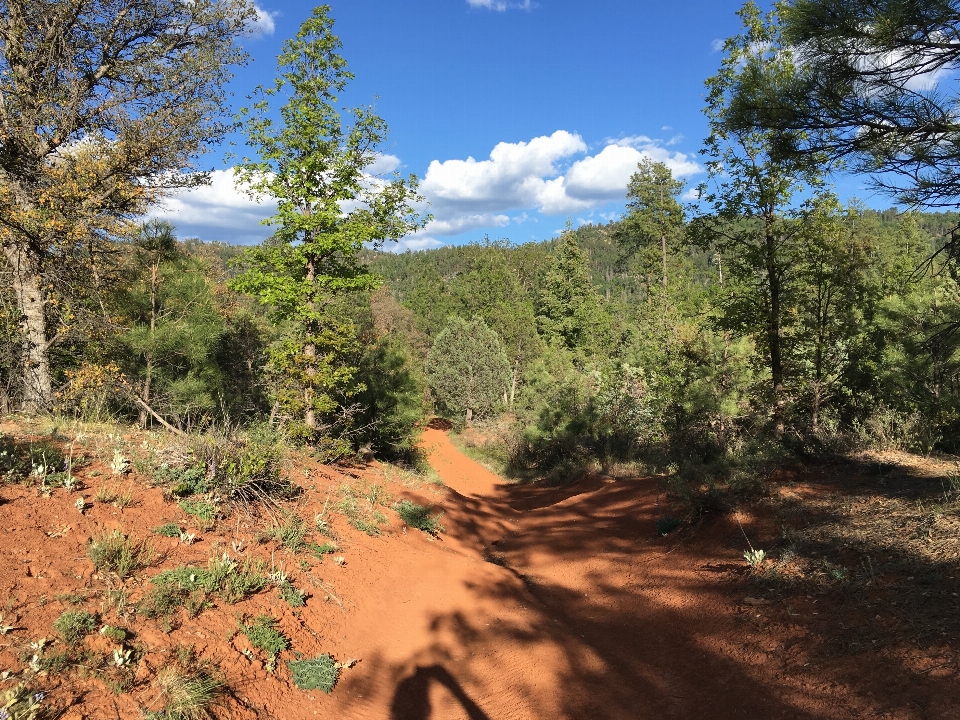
{"x": 534, "y": 604}
{"x": 562, "y": 603}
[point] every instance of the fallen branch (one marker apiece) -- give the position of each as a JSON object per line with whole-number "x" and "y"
{"x": 168, "y": 426}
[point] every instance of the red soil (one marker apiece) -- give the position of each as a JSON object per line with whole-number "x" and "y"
{"x": 535, "y": 603}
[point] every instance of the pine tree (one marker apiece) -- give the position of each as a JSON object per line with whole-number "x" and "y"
{"x": 314, "y": 164}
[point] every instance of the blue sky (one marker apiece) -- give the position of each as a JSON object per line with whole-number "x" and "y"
{"x": 514, "y": 115}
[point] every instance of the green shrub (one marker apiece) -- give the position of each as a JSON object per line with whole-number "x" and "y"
{"x": 199, "y": 508}
{"x": 247, "y": 469}
{"x": 171, "y": 530}
{"x": 419, "y": 517}
{"x": 20, "y": 460}
{"x": 74, "y": 625}
{"x": 327, "y": 548}
{"x": 292, "y": 595}
{"x": 117, "y": 553}
{"x": 186, "y": 692}
{"x": 360, "y": 504}
{"x": 319, "y": 674}
{"x": 19, "y": 703}
{"x": 291, "y": 533}
{"x": 162, "y": 601}
{"x": 114, "y": 633}
{"x": 183, "y": 481}
{"x": 263, "y": 635}
{"x": 223, "y": 577}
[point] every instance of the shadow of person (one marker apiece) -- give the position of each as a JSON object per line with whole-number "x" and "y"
{"x": 411, "y": 700}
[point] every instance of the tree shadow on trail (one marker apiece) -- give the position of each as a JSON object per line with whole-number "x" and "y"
{"x": 411, "y": 700}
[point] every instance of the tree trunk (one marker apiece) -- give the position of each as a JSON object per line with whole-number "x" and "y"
{"x": 148, "y": 356}
{"x": 773, "y": 324}
{"x": 663, "y": 249}
{"x": 310, "y": 353}
{"x": 513, "y": 384}
{"x": 37, "y": 383}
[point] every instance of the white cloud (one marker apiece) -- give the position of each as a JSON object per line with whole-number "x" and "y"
{"x": 465, "y": 223}
{"x": 511, "y": 177}
{"x": 529, "y": 175}
{"x": 501, "y": 5}
{"x": 413, "y": 243}
{"x": 263, "y": 23}
{"x": 218, "y": 211}
{"x": 717, "y": 45}
{"x": 384, "y": 165}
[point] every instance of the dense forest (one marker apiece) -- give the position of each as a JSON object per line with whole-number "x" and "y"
{"x": 766, "y": 316}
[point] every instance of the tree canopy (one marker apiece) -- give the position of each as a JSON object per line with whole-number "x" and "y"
{"x": 871, "y": 91}
{"x": 104, "y": 107}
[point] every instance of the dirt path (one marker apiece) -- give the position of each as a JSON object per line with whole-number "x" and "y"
{"x": 580, "y": 612}
{"x": 533, "y": 604}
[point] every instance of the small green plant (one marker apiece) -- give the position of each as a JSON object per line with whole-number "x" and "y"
{"x": 419, "y": 517}
{"x": 170, "y": 530}
{"x": 106, "y": 494}
{"x": 74, "y": 625}
{"x": 116, "y": 634}
{"x": 124, "y": 498}
{"x": 223, "y": 577}
{"x": 162, "y": 601}
{"x": 755, "y": 558}
{"x": 263, "y": 635}
{"x": 360, "y": 506}
{"x": 666, "y": 525}
{"x": 291, "y": 533}
{"x": 328, "y": 548}
{"x": 120, "y": 465}
{"x": 117, "y": 553}
{"x": 20, "y": 461}
{"x": 318, "y": 674}
{"x": 20, "y": 704}
{"x": 199, "y": 508}
{"x": 70, "y": 598}
{"x": 293, "y": 596}
{"x": 183, "y": 482}
{"x": 186, "y": 690}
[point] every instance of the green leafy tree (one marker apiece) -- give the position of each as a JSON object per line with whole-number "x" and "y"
{"x": 175, "y": 328}
{"x": 392, "y": 406}
{"x": 755, "y": 223}
{"x": 155, "y": 244}
{"x": 103, "y": 107}
{"x": 315, "y": 165}
{"x": 467, "y": 368}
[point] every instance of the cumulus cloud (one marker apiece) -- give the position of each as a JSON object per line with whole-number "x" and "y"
{"x": 218, "y": 211}
{"x": 413, "y": 243}
{"x": 384, "y": 165}
{"x": 263, "y": 23}
{"x": 501, "y": 5}
{"x": 512, "y": 177}
{"x": 541, "y": 174}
